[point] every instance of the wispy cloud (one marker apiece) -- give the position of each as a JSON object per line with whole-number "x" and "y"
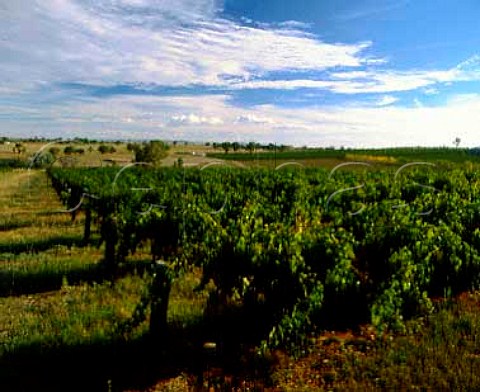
{"x": 386, "y": 100}
{"x": 168, "y": 43}
{"x": 214, "y": 117}
{"x": 375, "y": 81}
{"x": 430, "y": 91}
{"x": 295, "y": 25}
{"x": 253, "y": 119}
{"x": 374, "y": 9}
{"x": 193, "y": 119}
{"x": 156, "y": 45}
{"x": 187, "y": 43}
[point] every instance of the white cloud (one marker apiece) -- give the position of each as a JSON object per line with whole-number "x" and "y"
{"x": 386, "y": 100}
{"x": 253, "y": 119}
{"x": 294, "y": 24}
{"x": 283, "y": 84}
{"x": 356, "y": 126}
{"x": 418, "y": 103}
{"x": 362, "y": 82}
{"x": 186, "y": 42}
{"x": 460, "y": 99}
{"x": 164, "y": 42}
{"x": 430, "y": 91}
{"x": 44, "y": 43}
{"x": 471, "y": 64}
{"x": 193, "y": 119}
{"x": 374, "y": 10}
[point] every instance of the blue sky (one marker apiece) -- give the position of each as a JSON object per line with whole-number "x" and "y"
{"x": 306, "y": 72}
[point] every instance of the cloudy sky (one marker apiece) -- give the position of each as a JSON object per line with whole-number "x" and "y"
{"x": 365, "y": 73}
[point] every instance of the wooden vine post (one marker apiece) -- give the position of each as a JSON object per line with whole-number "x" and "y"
{"x": 88, "y": 222}
{"x": 160, "y": 293}
{"x": 110, "y": 235}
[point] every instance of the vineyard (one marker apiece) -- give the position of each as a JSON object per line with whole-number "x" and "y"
{"x": 140, "y": 271}
{"x": 301, "y": 248}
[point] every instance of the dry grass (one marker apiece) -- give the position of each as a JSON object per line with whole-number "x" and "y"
{"x": 29, "y": 213}
{"x": 439, "y": 353}
{"x": 91, "y": 156}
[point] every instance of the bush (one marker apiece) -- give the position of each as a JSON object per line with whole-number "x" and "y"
{"x": 104, "y": 149}
{"x": 151, "y": 152}
{"x": 54, "y": 151}
{"x": 43, "y": 160}
{"x": 69, "y": 150}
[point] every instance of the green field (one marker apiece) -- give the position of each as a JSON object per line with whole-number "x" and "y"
{"x": 401, "y": 154}
{"x": 304, "y": 279}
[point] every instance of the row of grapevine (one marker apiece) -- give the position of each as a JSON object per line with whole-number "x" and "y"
{"x": 297, "y": 247}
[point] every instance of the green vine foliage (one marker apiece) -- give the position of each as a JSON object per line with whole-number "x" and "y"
{"x": 297, "y": 248}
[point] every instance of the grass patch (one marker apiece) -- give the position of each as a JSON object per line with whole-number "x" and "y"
{"x": 34, "y": 244}
{"x": 73, "y": 331}
{"x": 71, "y": 315}
{"x": 26, "y": 273}
{"x": 33, "y": 273}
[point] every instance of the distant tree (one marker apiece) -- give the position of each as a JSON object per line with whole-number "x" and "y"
{"x": 131, "y": 146}
{"x": 457, "y": 141}
{"x": 81, "y": 140}
{"x": 226, "y": 147}
{"x": 236, "y": 146}
{"x": 54, "y": 151}
{"x": 151, "y": 152}
{"x": 19, "y": 149}
{"x": 68, "y": 150}
{"x": 251, "y": 147}
{"x": 45, "y": 159}
{"x": 104, "y": 149}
